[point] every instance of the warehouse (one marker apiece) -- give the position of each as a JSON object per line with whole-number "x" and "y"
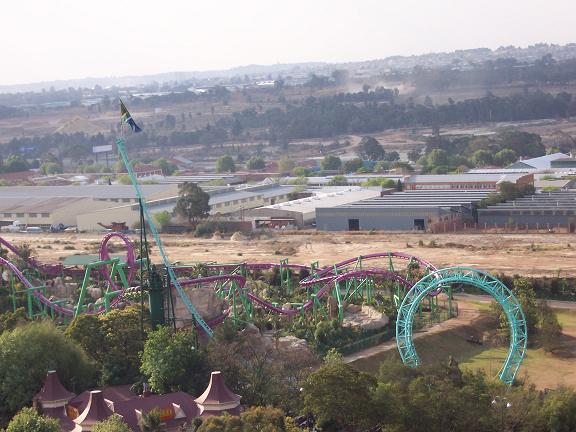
{"x": 402, "y": 211}
{"x": 538, "y": 211}
{"x": 465, "y": 181}
{"x": 303, "y": 211}
{"x": 47, "y": 205}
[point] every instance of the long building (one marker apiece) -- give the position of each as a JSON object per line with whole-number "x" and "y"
{"x": 538, "y": 211}
{"x": 464, "y": 181}
{"x": 402, "y": 211}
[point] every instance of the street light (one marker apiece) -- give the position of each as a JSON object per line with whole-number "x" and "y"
{"x": 500, "y": 402}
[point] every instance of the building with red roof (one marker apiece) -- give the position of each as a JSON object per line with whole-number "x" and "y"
{"x": 80, "y": 413}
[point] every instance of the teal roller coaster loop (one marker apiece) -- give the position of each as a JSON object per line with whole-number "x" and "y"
{"x": 464, "y": 276}
{"x": 122, "y": 152}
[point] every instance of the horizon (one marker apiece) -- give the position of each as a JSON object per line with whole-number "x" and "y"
{"x": 65, "y": 40}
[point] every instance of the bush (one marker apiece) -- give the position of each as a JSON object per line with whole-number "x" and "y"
{"x": 28, "y": 352}
{"x": 28, "y": 420}
{"x": 203, "y": 229}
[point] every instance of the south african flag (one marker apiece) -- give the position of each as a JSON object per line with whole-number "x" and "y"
{"x": 127, "y": 118}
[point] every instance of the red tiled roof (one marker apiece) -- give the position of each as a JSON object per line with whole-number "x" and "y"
{"x": 177, "y": 408}
{"x": 53, "y": 390}
{"x": 113, "y": 394}
{"x": 217, "y": 392}
{"x": 97, "y": 410}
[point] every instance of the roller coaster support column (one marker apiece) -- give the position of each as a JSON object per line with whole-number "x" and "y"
{"x": 156, "y": 299}
{"x": 121, "y": 145}
{"x": 285, "y": 276}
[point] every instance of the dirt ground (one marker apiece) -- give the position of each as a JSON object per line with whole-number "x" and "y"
{"x": 524, "y": 254}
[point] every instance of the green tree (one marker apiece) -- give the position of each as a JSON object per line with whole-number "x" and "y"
{"x": 285, "y": 164}
{"x": 370, "y": 149}
{"x": 150, "y": 422}
{"x": 505, "y": 157}
{"x": 171, "y": 362}
{"x": 123, "y": 343}
{"x": 113, "y": 423}
{"x": 437, "y": 157}
{"x": 340, "y": 396}
{"x": 338, "y": 180}
{"x": 193, "y": 202}
{"x": 256, "y": 163}
{"x": 86, "y": 330}
{"x": 353, "y": 165}
{"x": 331, "y": 163}
{"x": 482, "y": 158}
{"x": 300, "y": 171}
{"x": 163, "y": 218}
{"x": 28, "y": 420}
{"x": 168, "y": 168}
{"x": 225, "y": 164}
{"x": 559, "y": 410}
{"x": 27, "y": 353}
{"x": 51, "y": 168}
{"x": 549, "y": 329}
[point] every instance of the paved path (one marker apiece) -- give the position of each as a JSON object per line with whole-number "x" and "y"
{"x": 467, "y": 313}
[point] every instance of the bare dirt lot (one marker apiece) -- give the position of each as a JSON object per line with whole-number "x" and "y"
{"x": 525, "y": 254}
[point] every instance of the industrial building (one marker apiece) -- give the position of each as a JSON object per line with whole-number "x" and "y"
{"x": 538, "y": 163}
{"x": 303, "y": 211}
{"x": 47, "y": 205}
{"x": 538, "y": 211}
{"x": 464, "y": 181}
{"x": 223, "y": 201}
{"x": 404, "y": 211}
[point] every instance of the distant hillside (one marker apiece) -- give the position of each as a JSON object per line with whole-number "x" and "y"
{"x": 366, "y": 68}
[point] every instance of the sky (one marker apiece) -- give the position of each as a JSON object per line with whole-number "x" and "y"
{"x": 44, "y": 40}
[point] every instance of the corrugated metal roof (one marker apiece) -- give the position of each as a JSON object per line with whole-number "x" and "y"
{"x": 34, "y": 205}
{"x": 542, "y": 162}
{"x": 462, "y": 178}
{"x": 88, "y": 191}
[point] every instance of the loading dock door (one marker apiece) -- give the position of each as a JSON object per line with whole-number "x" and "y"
{"x": 419, "y": 224}
{"x": 353, "y": 225}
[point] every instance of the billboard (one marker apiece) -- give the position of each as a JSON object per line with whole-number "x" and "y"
{"x": 102, "y": 148}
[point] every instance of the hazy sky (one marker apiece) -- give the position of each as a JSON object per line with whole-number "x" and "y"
{"x": 62, "y": 39}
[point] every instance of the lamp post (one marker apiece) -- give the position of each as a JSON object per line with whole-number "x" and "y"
{"x": 501, "y": 403}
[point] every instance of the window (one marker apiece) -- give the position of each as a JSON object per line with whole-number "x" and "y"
{"x": 7, "y": 214}
{"x": 19, "y": 214}
{"x": 235, "y": 202}
{"x": 33, "y": 215}
{"x": 125, "y": 199}
{"x": 45, "y": 215}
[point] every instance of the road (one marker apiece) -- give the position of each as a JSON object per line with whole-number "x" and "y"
{"x": 555, "y": 304}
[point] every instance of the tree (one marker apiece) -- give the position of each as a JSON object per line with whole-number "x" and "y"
{"x": 482, "y": 158}
{"x": 559, "y": 410}
{"x": 123, "y": 343}
{"x": 331, "y": 163}
{"x": 193, "y": 202}
{"x": 27, "y": 353}
{"x": 150, "y": 422}
{"x": 225, "y": 164}
{"x": 414, "y": 155}
{"x": 28, "y": 420}
{"x": 550, "y": 329}
{"x": 338, "y": 180}
{"x": 437, "y": 157}
{"x": 256, "y": 163}
{"x": 505, "y": 157}
{"x": 264, "y": 419}
{"x": 113, "y": 423}
{"x": 285, "y": 164}
{"x": 300, "y": 171}
{"x": 163, "y": 218}
{"x": 340, "y": 396}
{"x": 353, "y": 165}
{"x": 86, "y": 330}
{"x": 168, "y": 168}
{"x": 370, "y": 149}
{"x": 171, "y": 362}
{"x": 237, "y": 128}
{"x": 51, "y": 168}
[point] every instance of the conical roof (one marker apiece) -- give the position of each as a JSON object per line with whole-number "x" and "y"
{"x": 53, "y": 391}
{"x": 217, "y": 393}
{"x": 95, "y": 411}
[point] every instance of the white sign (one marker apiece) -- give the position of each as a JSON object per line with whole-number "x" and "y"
{"x": 102, "y": 149}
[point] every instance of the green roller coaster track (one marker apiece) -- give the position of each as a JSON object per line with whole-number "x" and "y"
{"x": 464, "y": 276}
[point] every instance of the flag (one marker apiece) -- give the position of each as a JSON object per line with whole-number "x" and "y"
{"x": 127, "y": 118}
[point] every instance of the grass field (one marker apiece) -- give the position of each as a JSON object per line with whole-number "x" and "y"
{"x": 542, "y": 369}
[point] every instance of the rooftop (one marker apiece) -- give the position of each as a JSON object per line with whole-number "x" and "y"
{"x": 541, "y": 162}
{"x": 81, "y": 191}
{"x": 464, "y": 178}
{"x": 421, "y": 199}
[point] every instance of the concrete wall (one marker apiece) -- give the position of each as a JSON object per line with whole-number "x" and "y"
{"x": 336, "y": 219}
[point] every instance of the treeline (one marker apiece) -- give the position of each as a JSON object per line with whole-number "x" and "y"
{"x": 493, "y": 72}
{"x": 329, "y": 117}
